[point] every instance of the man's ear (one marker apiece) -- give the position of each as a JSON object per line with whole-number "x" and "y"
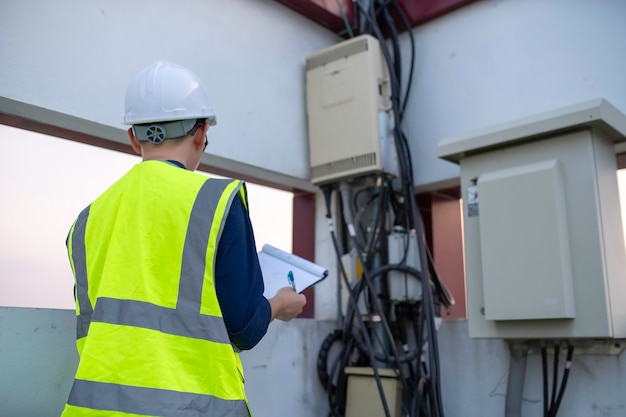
{"x": 134, "y": 142}
{"x": 198, "y": 138}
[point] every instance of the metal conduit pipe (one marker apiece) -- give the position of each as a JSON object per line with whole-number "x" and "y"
{"x": 517, "y": 374}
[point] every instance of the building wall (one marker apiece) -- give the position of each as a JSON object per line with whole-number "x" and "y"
{"x": 76, "y": 58}
{"x": 495, "y": 61}
{"x": 37, "y": 361}
{"x": 489, "y": 62}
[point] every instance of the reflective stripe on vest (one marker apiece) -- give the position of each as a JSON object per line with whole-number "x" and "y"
{"x": 185, "y": 320}
{"x": 151, "y": 402}
{"x": 79, "y": 264}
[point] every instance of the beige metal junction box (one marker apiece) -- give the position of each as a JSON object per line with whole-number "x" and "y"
{"x": 544, "y": 247}
{"x": 349, "y": 115}
{"x": 363, "y": 397}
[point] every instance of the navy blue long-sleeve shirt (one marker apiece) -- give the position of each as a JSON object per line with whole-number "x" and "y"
{"x": 239, "y": 282}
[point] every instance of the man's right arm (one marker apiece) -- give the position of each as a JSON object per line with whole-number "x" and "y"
{"x": 239, "y": 284}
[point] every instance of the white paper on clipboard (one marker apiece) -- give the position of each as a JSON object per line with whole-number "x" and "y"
{"x": 276, "y": 264}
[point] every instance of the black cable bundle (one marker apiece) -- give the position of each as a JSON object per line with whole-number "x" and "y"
{"x": 551, "y": 407}
{"x": 354, "y": 340}
{"x": 428, "y": 378}
{"x": 418, "y": 367}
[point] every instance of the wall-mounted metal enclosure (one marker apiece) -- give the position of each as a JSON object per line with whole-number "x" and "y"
{"x": 350, "y": 123}
{"x": 543, "y": 231}
{"x": 363, "y": 397}
{"x": 402, "y": 286}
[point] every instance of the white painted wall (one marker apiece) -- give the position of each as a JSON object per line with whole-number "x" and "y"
{"x": 326, "y": 304}
{"x": 76, "y": 57}
{"x": 499, "y": 60}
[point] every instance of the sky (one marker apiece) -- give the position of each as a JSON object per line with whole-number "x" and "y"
{"x": 46, "y": 181}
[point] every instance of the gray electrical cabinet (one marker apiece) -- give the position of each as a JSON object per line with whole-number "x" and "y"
{"x": 544, "y": 246}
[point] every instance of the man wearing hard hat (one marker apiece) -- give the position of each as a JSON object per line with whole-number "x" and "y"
{"x": 168, "y": 283}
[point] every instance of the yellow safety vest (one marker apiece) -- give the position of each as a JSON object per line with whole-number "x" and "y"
{"x": 150, "y": 332}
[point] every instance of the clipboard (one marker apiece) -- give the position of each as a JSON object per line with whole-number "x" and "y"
{"x": 276, "y": 264}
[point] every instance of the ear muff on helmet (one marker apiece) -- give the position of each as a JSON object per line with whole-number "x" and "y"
{"x": 156, "y": 134}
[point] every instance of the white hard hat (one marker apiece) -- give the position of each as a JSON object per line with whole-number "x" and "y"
{"x": 165, "y": 92}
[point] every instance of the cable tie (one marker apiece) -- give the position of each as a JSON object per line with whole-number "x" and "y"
{"x": 351, "y": 230}
{"x": 568, "y": 364}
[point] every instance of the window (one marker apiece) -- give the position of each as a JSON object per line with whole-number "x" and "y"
{"x": 46, "y": 181}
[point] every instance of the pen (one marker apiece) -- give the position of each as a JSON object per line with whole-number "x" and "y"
{"x": 292, "y": 282}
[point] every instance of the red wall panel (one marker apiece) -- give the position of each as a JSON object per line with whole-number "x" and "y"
{"x": 325, "y": 12}
{"x": 420, "y": 11}
{"x": 447, "y": 229}
{"x": 328, "y": 13}
{"x": 304, "y": 240}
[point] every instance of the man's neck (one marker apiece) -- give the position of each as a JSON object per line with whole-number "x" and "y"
{"x": 177, "y": 163}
